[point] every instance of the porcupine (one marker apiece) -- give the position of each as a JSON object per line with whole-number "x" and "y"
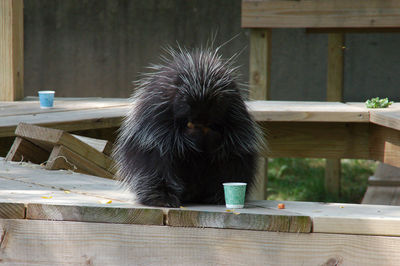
{"x": 187, "y": 132}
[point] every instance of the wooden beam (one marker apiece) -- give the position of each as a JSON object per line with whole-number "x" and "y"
{"x": 317, "y": 140}
{"x": 260, "y": 69}
{"x": 80, "y": 243}
{"x": 11, "y": 50}
{"x": 237, "y": 220}
{"x": 26, "y": 151}
{"x": 320, "y": 14}
{"x": 385, "y": 145}
{"x": 260, "y": 56}
{"x": 334, "y": 93}
{"x": 107, "y": 214}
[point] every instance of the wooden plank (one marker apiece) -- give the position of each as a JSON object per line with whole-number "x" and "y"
{"x": 317, "y": 140}
{"x": 23, "y": 150}
{"x": 30, "y": 105}
{"x": 307, "y": 111}
{"x": 68, "y": 121}
{"x": 260, "y": 57}
{"x": 343, "y": 218}
{"x": 259, "y": 189}
{"x": 11, "y": 50}
{"x": 76, "y": 243}
{"x": 12, "y": 210}
{"x": 384, "y": 182}
{"x": 239, "y": 219}
{"x": 333, "y": 176}
{"x": 30, "y": 183}
{"x": 382, "y": 195}
{"x": 40, "y": 135}
{"x": 385, "y": 145}
{"x": 99, "y": 144}
{"x": 63, "y": 158}
{"x": 320, "y": 14}
{"x": 334, "y": 93}
{"x": 147, "y": 216}
{"x": 388, "y": 118}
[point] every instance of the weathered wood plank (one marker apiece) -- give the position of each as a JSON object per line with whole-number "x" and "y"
{"x": 307, "y": 111}
{"x": 11, "y": 50}
{"x": 68, "y": 121}
{"x": 382, "y": 195}
{"x": 107, "y": 214}
{"x": 12, "y": 210}
{"x": 333, "y": 176}
{"x": 30, "y": 183}
{"x": 320, "y": 14}
{"x": 42, "y": 135}
{"x": 385, "y": 145}
{"x": 77, "y": 243}
{"x": 23, "y": 150}
{"x": 239, "y": 219}
{"x": 317, "y": 140}
{"x": 63, "y": 158}
{"x": 260, "y": 57}
{"x": 342, "y": 218}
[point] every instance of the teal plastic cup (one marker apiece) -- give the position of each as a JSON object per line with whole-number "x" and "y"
{"x": 46, "y": 99}
{"x": 235, "y": 194}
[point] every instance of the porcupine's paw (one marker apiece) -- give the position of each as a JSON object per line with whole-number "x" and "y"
{"x": 161, "y": 200}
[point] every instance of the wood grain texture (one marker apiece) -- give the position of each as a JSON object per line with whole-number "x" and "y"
{"x": 12, "y": 210}
{"x": 382, "y": 195}
{"x": 320, "y": 14}
{"x": 77, "y": 243}
{"x": 260, "y": 67}
{"x": 385, "y": 145}
{"x": 11, "y": 50}
{"x": 317, "y": 140}
{"x": 109, "y": 214}
{"x": 239, "y": 220}
{"x": 63, "y": 158}
{"x": 23, "y": 150}
{"x": 44, "y": 136}
{"x": 307, "y": 111}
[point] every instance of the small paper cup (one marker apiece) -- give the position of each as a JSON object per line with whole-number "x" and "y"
{"x": 46, "y": 99}
{"x": 234, "y": 194}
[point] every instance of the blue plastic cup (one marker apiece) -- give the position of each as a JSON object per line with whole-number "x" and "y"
{"x": 46, "y": 99}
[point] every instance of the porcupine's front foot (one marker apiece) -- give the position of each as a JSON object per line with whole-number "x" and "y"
{"x": 160, "y": 199}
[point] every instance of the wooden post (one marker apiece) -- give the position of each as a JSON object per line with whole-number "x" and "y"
{"x": 334, "y": 92}
{"x": 260, "y": 54}
{"x": 11, "y": 50}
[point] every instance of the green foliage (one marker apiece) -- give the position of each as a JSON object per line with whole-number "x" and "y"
{"x": 378, "y": 103}
{"x": 303, "y": 180}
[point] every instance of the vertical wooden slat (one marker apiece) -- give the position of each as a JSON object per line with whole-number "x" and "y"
{"x": 11, "y": 50}
{"x": 260, "y": 55}
{"x": 334, "y": 92}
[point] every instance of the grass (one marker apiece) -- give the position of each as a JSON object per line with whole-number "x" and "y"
{"x": 303, "y": 180}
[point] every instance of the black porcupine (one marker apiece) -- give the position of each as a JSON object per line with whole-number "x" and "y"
{"x": 188, "y": 131}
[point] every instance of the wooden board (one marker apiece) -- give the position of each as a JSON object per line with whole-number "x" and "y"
{"x": 343, "y": 218}
{"x": 26, "y": 151}
{"x": 11, "y": 50}
{"x": 249, "y": 219}
{"x": 307, "y": 111}
{"x": 44, "y": 137}
{"x": 63, "y": 158}
{"x": 320, "y": 14}
{"x": 385, "y": 145}
{"x": 317, "y": 140}
{"x": 31, "y": 242}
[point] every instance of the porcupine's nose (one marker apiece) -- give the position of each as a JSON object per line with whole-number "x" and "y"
{"x": 203, "y": 128}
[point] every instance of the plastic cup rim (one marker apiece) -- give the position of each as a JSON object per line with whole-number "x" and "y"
{"x": 46, "y": 91}
{"x": 234, "y": 184}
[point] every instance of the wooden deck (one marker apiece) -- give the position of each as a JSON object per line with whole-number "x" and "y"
{"x": 292, "y": 129}
{"x": 60, "y": 217}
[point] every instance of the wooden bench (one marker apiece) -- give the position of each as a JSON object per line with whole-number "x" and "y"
{"x": 81, "y": 219}
{"x": 334, "y": 17}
